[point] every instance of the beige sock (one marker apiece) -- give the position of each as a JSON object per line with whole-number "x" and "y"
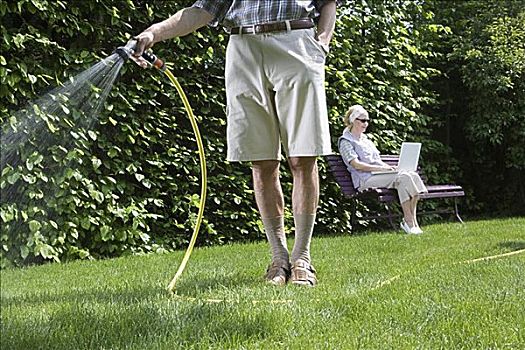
{"x": 304, "y": 228}
{"x": 274, "y": 228}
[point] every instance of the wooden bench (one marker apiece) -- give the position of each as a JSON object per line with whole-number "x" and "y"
{"x": 387, "y": 196}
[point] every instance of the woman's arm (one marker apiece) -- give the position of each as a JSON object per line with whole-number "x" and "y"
{"x": 362, "y": 166}
{"x": 350, "y": 157}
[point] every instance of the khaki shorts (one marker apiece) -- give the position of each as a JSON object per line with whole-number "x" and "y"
{"x": 275, "y": 93}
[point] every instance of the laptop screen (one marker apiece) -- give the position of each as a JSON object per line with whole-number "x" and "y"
{"x": 409, "y": 156}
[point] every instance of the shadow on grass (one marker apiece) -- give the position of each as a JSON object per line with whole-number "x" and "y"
{"x": 204, "y": 283}
{"x": 138, "y": 317}
{"x": 512, "y": 245}
{"x": 138, "y": 326}
{"x": 193, "y": 285}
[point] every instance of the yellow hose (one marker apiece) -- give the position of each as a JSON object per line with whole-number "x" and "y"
{"x": 202, "y": 158}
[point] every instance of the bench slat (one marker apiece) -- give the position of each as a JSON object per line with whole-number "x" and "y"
{"x": 442, "y": 194}
{"x": 444, "y": 188}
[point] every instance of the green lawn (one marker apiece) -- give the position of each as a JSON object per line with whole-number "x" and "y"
{"x": 377, "y": 291}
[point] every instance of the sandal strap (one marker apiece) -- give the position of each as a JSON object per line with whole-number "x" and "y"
{"x": 303, "y": 273}
{"x": 275, "y": 267}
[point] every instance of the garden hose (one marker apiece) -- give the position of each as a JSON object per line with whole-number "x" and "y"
{"x": 202, "y": 158}
{"x": 125, "y": 52}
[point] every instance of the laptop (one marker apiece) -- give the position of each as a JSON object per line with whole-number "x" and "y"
{"x": 408, "y": 158}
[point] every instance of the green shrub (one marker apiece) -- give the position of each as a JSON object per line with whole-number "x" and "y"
{"x": 127, "y": 179}
{"x": 484, "y": 98}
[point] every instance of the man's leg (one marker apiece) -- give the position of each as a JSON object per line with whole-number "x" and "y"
{"x": 305, "y": 198}
{"x": 270, "y": 201}
{"x": 267, "y": 187}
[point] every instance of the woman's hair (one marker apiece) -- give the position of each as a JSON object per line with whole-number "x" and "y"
{"x": 354, "y": 112}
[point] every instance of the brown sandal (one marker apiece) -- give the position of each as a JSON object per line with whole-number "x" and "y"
{"x": 303, "y": 274}
{"x": 278, "y": 273}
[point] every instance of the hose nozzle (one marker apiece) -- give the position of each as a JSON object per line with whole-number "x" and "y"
{"x": 126, "y": 51}
{"x": 152, "y": 59}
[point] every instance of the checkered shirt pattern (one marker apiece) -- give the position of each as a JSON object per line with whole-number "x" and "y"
{"x": 236, "y": 13}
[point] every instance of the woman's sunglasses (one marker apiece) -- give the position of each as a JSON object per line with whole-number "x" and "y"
{"x": 363, "y": 120}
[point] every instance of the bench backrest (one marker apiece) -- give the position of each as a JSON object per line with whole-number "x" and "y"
{"x": 341, "y": 174}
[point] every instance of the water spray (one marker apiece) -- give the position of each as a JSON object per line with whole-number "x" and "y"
{"x": 125, "y": 53}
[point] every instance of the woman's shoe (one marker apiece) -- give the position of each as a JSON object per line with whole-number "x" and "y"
{"x": 404, "y": 227}
{"x": 416, "y": 230}
{"x": 410, "y": 230}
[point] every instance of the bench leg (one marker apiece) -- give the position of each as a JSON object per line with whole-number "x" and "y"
{"x": 390, "y": 217}
{"x": 456, "y": 211}
{"x": 352, "y": 214}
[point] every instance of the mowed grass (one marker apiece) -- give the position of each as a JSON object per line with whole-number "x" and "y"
{"x": 377, "y": 291}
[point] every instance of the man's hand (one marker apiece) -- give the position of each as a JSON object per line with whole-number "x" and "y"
{"x": 145, "y": 40}
{"x": 326, "y": 25}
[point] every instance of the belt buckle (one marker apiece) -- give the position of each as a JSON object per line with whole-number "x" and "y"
{"x": 252, "y": 27}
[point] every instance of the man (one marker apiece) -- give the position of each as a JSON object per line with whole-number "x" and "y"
{"x": 275, "y": 95}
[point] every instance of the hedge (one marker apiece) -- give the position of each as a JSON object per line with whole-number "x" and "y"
{"x": 126, "y": 180}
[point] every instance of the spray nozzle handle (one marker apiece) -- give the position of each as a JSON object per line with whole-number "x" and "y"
{"x": 126, "y": 51}
{"x": 153, "y": 60}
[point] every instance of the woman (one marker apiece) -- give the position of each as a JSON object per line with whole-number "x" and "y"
{"x": 362, "y": 157}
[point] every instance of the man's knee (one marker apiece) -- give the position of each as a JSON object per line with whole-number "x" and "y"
{"x": 265, "y": 169}
{"x": 303, "y": 165}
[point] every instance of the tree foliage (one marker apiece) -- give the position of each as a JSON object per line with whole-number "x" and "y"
{"x": 484, "y": 97}
{"x": 128, "y": 182}
{"x": 133, "y": 188}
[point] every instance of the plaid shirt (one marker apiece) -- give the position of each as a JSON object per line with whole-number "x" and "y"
{"x": 236, "y": 13}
